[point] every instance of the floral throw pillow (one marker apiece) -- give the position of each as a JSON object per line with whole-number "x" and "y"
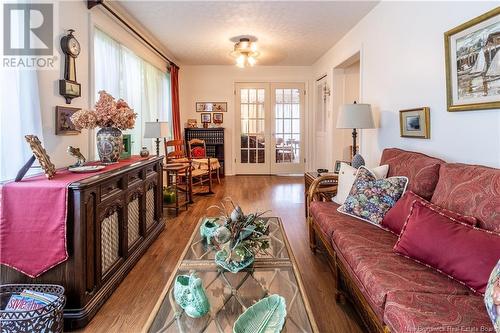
{"x": 492, "y": 297}
{"x": 370, "y": 198}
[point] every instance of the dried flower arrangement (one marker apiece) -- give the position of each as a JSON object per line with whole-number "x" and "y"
{"x": 241, "y": 236}
{"x": 107, "y": 113}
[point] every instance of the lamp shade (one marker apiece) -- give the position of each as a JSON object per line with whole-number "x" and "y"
{"x": 355, "y": 116}
{"x": 155, "y": 129}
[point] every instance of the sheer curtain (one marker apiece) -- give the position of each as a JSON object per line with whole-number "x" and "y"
{"x": 20, "y": 114}
{"x": 125, "y": 75}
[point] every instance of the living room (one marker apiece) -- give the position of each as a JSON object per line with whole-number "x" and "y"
{"x": 250, "y": 166}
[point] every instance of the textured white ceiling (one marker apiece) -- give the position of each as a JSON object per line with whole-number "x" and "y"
{"x": 287, "y": 32}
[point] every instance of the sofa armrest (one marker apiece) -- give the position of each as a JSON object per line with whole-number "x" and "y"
{"x": 317, "y": 190}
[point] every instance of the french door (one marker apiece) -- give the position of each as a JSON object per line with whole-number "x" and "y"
{"x": 270, "y": 126}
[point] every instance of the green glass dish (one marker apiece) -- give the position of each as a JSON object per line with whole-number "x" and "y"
{"x": 190, "y": 295}
{"x": 232, "y": 265}
{"x": 208, "y": 228}
{"x": 266, "y": 316}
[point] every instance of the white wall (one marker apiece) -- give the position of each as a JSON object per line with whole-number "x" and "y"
{"x": 72, "y": 15}
{"x": 216, "y": 84}
{"x": 402, "y": 66}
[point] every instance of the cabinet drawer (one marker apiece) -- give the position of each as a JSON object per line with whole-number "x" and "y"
{"x": 111, "y": 188}
{"x": 134, "y": 178}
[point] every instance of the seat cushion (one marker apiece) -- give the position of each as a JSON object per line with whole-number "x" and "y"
{"x": 368, "y": 250}
{"x": 407, "y": 312}
{"x": 470, "y": 190}
{"x": 327, "y": 218}
{"x": 422, "y": 170}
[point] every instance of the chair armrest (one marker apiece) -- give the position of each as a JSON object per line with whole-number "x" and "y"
{"x": 315, "y": 190}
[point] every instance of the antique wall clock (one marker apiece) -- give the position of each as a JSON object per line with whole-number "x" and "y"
{"x": 68, "y": 87}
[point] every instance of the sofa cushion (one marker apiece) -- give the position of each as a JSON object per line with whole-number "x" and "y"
{"x": 408, "y": 312}
{"x": 370, "y": 198}
{"x": 422, "y": 170}
{"x": 324, "y": 214}
{"x": 396, "y": 217}
{"x": 470, "y": 190}
{"x": 368, "y": 251}
{"x": 452, "y": 247}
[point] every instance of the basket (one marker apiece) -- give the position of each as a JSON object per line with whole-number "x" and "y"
{"x": 47, "y": 319}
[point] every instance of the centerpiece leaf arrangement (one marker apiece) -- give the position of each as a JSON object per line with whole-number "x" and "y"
{"x": 112, "y": 116}
{"x": 240, "y": 237}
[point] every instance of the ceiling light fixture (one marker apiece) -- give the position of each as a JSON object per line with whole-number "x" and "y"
{"x": 245, "y": 53}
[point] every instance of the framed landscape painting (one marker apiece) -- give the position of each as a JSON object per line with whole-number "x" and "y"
{"x": 473, "y": 64}
{"x": 415, "y": 123}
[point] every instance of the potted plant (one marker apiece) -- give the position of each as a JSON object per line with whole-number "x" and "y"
{"x": 112, "y": 117}
{"x": 239, "y": 237}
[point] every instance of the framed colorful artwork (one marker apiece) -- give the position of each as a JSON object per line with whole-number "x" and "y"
{"x": 473, "y": 64}
{"x": 64, "y": 125}
{"x": 415, "y": 123}
{"x": 218, "y": 118}
{"x": 211, "y": 107}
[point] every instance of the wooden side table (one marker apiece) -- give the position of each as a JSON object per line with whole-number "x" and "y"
{"x": 309, "y": 177}
{"x": 176, "y": 171}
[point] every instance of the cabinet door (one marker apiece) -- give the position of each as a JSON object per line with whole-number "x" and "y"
{"x": 135, "y": 230}
{"x": 152, "y": 203}
{"x": 110, "y": 238}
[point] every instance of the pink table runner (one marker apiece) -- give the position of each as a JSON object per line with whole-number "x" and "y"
{"x": 33, "y": 220}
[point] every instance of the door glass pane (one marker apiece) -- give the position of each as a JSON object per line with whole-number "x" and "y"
{"x": 287, "y": 120}
{"x": 252, "y": 125}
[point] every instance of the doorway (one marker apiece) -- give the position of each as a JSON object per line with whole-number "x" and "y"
{"x": 270, "y": 123}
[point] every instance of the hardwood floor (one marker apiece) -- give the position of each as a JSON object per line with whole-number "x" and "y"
{"x": 131, "y": 304}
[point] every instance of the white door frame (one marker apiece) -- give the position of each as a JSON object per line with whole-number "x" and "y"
{"x": 252, "y": 168}
{"x": 270, "y": 166}
{"x": 286, "y": 167}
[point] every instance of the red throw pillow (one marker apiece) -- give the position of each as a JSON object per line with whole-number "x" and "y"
{"x": 397, "y": 215}
{"x": 198, "y": 152}
{"x": 462, "y": 252}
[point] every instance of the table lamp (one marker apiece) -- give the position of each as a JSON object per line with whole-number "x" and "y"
{"x": 156, "y": 130}
{"x": 355, "y": 116}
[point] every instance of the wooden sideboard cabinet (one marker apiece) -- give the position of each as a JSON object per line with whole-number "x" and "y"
{"x": 113, "y": 217}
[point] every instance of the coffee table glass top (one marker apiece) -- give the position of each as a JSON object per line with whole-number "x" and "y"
{"x": 231, "y": 294}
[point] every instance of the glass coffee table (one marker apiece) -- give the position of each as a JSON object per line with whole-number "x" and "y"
{"x": 231, "y": 294}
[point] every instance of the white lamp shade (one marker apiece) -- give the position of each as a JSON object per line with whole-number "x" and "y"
{"x": 155, "y": 129}
{"x": 355, "y": 116}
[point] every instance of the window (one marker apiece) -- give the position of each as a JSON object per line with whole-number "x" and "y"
{"x": 125, "y": 75}
{"x": 20, "y": 115}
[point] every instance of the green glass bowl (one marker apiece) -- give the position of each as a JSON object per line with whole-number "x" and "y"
{"x": 232, "y": 266}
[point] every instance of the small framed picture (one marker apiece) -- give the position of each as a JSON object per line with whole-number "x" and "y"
{"x": 218, "y": 118}
{"x": 415, "y": 123}
{"x": 192, "y": 123}
{"x": 64, "y": 125}
{"x": 206, "y": 117}
{"x": 337, "y": 165}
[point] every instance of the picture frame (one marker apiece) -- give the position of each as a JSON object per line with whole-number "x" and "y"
{"x": 337, "y": 165}
{"x": 472, "y": 70}
{"x": 64, "y": 125}
{"x": 127, "y": 146}
{"x": 206, "y": 118}
{"x": 41, "y": 155}
{"x": 415, "y": 123}
{"x": 211, "y": 106}
{"x": 218, "y": 118}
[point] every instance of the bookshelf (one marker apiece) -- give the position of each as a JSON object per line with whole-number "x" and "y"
{"x": 214, "y": 140}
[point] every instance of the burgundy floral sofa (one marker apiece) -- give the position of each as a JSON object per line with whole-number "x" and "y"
{"x": 393, "y": 293}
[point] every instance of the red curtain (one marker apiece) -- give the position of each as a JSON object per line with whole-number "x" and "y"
{"x": 176, "y": 112}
